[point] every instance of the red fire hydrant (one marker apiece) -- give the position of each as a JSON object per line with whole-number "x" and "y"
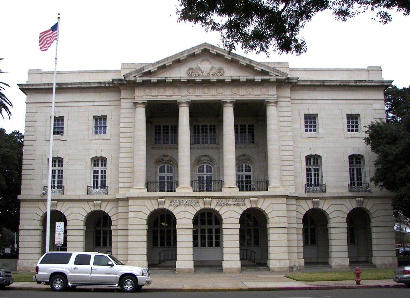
{"x": 357, "y": 273}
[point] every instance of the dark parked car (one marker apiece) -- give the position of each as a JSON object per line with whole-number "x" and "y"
{"x": 5, "y": 278}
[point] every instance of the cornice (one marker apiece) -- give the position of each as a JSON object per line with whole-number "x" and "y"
{"x": 383, "y": 83}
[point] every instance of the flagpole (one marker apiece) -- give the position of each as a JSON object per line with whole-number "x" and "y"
{"x": 50, "y": 156}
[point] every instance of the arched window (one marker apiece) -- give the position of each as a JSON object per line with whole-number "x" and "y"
{"x": 207, "y": 229}
{"x": 244, "y": 177}
{"x": 356, "y": 163}
{"x": 103, "y": 236}
{"x": 164, "y": 230}
{"x": 205, "y": 177}
{"x": 99, "y": 176}
{"x": 249, "y": 230}
{"x": 166, "y": 178}
{"x": 313, "y": 170}
{"x": 309, "y": 230}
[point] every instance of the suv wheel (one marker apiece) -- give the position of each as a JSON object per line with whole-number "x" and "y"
{"x": 129, "y": 283}
{"x": 58, "y": 282}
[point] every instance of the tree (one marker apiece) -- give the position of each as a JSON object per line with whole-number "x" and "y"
{"x": 258, "y": 25}
{"x": 391, "y": 142}
{"x": 11, "y": 156}
{"x": 5, "y": 103}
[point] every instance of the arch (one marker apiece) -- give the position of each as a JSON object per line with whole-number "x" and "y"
{"x": 253, "y": 237}
{"x": 98, "y": 232}
{"x": 204, "y": 159}
{"x": 161, "y": 238}
{"x": 207, "y": 237}
{"x": 315, "y": 237}
{"x": 359, "y": 236}
{"x": 55, "y": 216}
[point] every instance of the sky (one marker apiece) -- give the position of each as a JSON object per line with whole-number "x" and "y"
{"x": 103, "y": 34}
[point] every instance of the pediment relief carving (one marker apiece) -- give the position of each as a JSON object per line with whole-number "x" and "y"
{"x": 166, "y": 159}
{"x": 205, "y": 69}
{"x": 204, "y": 159}
{"x": 244, "y": 158}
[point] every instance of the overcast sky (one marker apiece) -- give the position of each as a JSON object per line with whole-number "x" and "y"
{"x": 103, "y": 34}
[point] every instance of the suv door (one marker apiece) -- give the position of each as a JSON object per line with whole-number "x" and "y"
{"x": 80, "y": 271}
{"x": 103, "y": 271}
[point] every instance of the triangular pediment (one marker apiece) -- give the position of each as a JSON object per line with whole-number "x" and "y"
{"x": 205, "y": 61}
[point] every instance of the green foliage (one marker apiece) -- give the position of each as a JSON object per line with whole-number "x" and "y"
{"x": 391, "y": 142}
{"x": 259, "y": 25}
{"x": 11, "y": 155}
{"x": 367, "y": 274}
{"x": 5, "y": 103}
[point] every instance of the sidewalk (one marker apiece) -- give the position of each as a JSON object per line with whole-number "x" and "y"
{"x": 217, "y": 281}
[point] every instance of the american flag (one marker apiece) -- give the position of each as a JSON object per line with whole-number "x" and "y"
{"x": 48, "y": 37}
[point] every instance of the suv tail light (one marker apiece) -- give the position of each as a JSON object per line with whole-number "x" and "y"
{"x": 36, "y": 269}
{"x": 406, "y": 272}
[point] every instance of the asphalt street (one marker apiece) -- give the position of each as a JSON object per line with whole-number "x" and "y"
{"x": 103, "y": 293}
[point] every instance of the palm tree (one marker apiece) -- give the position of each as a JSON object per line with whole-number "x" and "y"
{"x": 5, "y": 103}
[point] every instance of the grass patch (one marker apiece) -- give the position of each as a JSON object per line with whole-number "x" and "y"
{"x": 22, "y": 276}
{"x": 367, "y": 274}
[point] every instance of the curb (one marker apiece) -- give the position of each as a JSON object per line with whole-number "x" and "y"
{"x": 303, "y": 288}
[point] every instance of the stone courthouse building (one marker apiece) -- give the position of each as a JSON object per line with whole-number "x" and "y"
{"x": 207, "y": 158}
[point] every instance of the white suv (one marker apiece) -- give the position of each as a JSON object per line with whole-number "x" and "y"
{"x": 70, "y": 269}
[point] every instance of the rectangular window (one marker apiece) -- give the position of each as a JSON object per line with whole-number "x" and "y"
{"x": 204, "y": 134}
{"x": 57, "y": 173}
{"x": 100, "y": 125}
{"x": 58, "y": 128}
{"x": 244, "y": 133}
{"x": 165, "y": 134}
{"x": 352, "y": 122}
{"x": 311, "y": 123}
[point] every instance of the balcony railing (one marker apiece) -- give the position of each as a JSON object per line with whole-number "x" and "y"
{"x": 97, "y": 191}
{"x": 201, "y": 186}
{"x": 252, "y": 185}
{"x": 315, "y": 188}
{"x": 162, "y": 186}
{"x": 364, "y": 187}
{"x": 58, "y": 190}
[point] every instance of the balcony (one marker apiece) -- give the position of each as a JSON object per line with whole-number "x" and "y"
{"x": 309, "y": 188}
{"x": 363, "y": 187}
{"x": 202, "y": 186}
{"x": 162, "y": 186}
{"x": 97, "y": 191}
{"x": 252, "y": 185}
{"x": 59, "y": 189}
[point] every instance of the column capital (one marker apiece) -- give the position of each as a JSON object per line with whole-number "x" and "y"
{"x": 183, "y": 102}
{"x": 271, "y": 102}
{"x": 140, "y": 103}
{"x": 228, "y": 102}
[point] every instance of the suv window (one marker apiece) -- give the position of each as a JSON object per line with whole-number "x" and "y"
{"x": 82, "y": 260}
{"x": 56, "y": 258}
{"x": 100, "y": 260}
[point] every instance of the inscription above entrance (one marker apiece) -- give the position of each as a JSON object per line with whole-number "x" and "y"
{"x": 231, "y": 202}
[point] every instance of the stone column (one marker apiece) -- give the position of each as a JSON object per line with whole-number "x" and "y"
{"x": 229, "y": 147}
{"x": 185, "y": 252}
{"x": 338, "y": 250}
{"x": 272, "y": 140}
{"x": 184, "y": 148}
{"x": 231, "y": 257}
{"x": 140, "y": 147}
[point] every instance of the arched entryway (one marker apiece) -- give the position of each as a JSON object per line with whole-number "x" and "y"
{"x": 253, "y": 237}
{"x": 98, "y": 234}
{"x": 359, "y": 236}
{"x": 162, "y": 238}
{"x": 55, "y": 216}
{"x": 315, "y": 237}
{"x": 207, "y": 238}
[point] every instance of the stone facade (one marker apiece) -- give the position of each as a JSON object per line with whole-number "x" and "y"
{"x": 208, "y": 158}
